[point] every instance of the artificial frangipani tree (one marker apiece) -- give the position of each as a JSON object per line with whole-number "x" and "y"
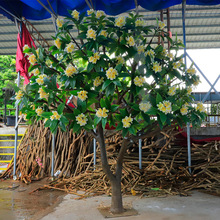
{"x": 122, "y": 81}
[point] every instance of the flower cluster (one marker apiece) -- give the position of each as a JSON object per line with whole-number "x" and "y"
{"x": 26, "y": 47}
{"x": 91, "y": 11}
{"x": 19, "y": 95}
{"x": 81, "y": 119}
{"x": 70, "y": 70}
{"x": 157, "y": 67}
{"x": 184, "y": 110}
{"x": 140, "y": 49}
{"x": 39, "y": 111}
{"x": 55, "y": 116}
{"x": 161, "y": 25}
{"x": 165, "y": 107}
{"x": 150, "y": 53}
{"x": 60, "y": 22}
{"x": 43, "y": 94}
{"x": 38, "y": 160}
{"x": 191, "y": 70}
{"x": 189, "y": 90}
{"x": 176, "y": 65}
{"x": 120, "y": 60}
{"x": 111, "y": 73}
{"x": 102, "y": 113}
{"x": 57, "y": 43}
{"x": 32, "y": 59}
{"x": 120, "y": 21}
{"x": 91, "y": 34}
{"x": 82, "y": 95}
{"x": 130, "y": 41}
{"x": 200, "y": 107}
{"x": 75, "y": 14}
{"x": 104, "y": 33}
{"x": 98, "y": 81}
{"x": 100, "y": 13}
{"x": 127, "y": 121}
{"x": 139, "y": 81}
{"x": 93, "y": 59}
{"x": 35, "y": 72}
{"x": 139, "y": 23}
{"x": 145, "y": 106}
{"x": 170, "y": 55}
{"x": 172, "y": 91}
{"x": 70, "y": 48}
{"x": 40, "y": 79}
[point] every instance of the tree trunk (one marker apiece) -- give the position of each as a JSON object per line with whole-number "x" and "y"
{"x": 115, "y": 179}
{"x": 116, "y": 201}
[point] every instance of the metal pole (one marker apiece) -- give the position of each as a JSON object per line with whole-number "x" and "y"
{"x": 16, "y": 132}
{"x": 52, "y": 155}
{"x": 212, "y": 87}
{"x": 53, "y": 134}
{"x": 188, "y": 124}
{"x": 94, "y": 151}
{"x": 184, "y": 28}
{"x": 202, "y": 74}
{"x": 140, "y": 154}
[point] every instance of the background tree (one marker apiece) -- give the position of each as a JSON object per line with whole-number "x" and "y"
{"x": 125, "y": 82}
{"x": 7, "y": 77}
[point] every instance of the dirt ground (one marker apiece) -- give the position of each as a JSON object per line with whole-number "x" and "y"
{"x": 16, "y": 202}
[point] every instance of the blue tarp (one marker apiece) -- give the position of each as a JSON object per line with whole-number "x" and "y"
{"x": 33, "y": 10}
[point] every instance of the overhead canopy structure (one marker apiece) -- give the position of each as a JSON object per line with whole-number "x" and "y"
{"x": 202, "y": 18}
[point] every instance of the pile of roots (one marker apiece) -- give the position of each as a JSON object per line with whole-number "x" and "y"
{"x": 164, "y": 163}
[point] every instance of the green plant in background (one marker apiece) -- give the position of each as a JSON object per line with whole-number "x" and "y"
{"x": 122, "y": 81}
{"x": 7, "y": 79}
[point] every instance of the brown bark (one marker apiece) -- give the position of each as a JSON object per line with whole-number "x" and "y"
{"x": 115, "y": 179}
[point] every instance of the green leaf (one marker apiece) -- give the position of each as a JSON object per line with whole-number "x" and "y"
{"x": 97, "y": 120}
{"x": 46, "y": 114}
{"x": 104, "y": 121}
{"x": 124, "y": 132}
{"x": 120, "y": 126}
{"x": 159, "y": 98}
{"x": 64, "y": 120}
{"x": 47, "y": 123}
{"x": 90, "y": 67}
{"x": 114, "y": 107}
{"x": 123, "y": 112}
{"x": 106, "y": 83}
{"x": 110, "y": 89}
{"x": 102, "y": 103}
{"x": 72, "y": 83}
{"x": 132, "y": 130}
{"x": 146, "y": 117}
{"x": 76, "y": 127}
{"x": 175, "y": 107}
{"x": 81, "y": 105}
{"x": 163, "y": 118}
{"x": 69, "y": 116}
{"x": 53, "y": 126}
{"x": 117, "y": 83}
{"x": 152, "y": 111}
{"x": 62, "y": 126}
{"x": 60, "y": 108}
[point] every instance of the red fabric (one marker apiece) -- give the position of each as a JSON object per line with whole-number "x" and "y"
{"x": 22, "y": 63}
{"x": 107, "y": 127}
{"x": 193, "y": 140}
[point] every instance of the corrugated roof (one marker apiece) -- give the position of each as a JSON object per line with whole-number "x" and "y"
{"x": 202, "y": 27}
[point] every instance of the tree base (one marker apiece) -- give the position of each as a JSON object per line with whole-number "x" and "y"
{"x": 106, "y": 213}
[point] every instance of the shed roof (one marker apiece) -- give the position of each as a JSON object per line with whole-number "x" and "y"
{"x": 202, "y": 27}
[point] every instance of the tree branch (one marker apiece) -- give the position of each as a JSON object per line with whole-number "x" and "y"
{"x": 104, "y": 159}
